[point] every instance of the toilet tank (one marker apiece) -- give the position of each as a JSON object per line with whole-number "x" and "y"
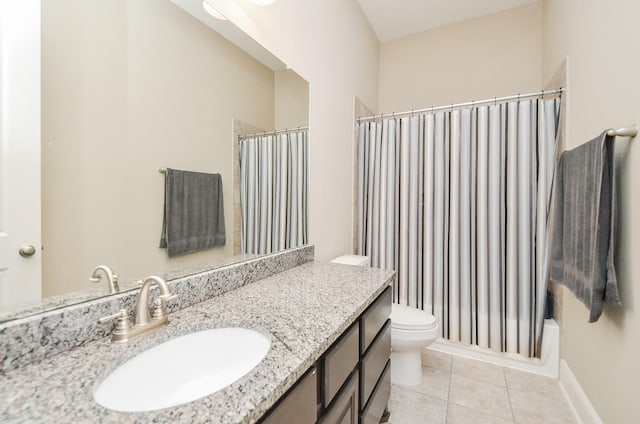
{"x": 356, "y": 260}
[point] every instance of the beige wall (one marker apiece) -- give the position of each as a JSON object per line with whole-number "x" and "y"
{"x": 601, "y": 40}
{"x": 129, "y": 87}
{"x": 495, "y": 55}
{"x": 291, "y": 100}
{"x": 331, "y": 45}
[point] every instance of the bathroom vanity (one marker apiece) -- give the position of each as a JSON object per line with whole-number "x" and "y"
{"x": 328, "y": 361}
{"x": 350, "y": 383}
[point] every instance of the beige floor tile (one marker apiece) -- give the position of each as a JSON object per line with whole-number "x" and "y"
{"x": 520, "y": 380}
{"x": 533, "y": 407}
{"x": 478, "y": 393}
{"x": 485, "y": 397}
{"x": 483, "y": 371}
{"x": 460, "y": 415}
{"x": 411, "y": 407}
{"x": 434, "y": 383}
{"x": 437, "y": 360}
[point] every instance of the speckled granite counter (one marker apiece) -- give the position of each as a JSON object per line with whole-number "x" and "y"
{"x": 34, "y": 338}
{"x": 304, "y": 309}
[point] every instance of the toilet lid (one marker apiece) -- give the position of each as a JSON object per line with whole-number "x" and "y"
{"x": 409, "y": 318}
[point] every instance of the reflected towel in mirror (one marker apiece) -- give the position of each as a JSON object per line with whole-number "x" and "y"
{"x": 193, "y": 212}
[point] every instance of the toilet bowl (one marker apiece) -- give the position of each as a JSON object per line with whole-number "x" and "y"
{"x": 411, "y": 330}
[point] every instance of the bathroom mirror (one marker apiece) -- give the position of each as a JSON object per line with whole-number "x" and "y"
{"x": 129, "y": 87}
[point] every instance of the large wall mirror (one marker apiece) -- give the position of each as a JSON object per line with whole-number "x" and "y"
{"x": 129, "y": 87}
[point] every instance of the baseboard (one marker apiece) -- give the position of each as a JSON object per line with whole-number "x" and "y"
{"x": 576, "y": 397}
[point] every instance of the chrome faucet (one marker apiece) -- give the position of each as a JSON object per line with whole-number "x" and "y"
{"x": 112, "y": 278}
{"x": 142, "y": 321}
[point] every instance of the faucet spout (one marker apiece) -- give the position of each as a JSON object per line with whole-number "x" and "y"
{"x": 112, "y": 278}
{"x": 142, "y": 303}
{"x": 124, "y": 330}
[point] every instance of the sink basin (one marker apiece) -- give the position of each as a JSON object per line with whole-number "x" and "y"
{"x": 182, "y": 370}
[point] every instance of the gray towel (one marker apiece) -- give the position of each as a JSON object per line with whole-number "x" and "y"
{"x": 193, "y": 212}
{"x": 583, "y": 231}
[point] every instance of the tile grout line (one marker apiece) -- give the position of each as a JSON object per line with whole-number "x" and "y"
{"x": 506, "y": 383}
{"x": 415, "y": 390}
{"x": 484, "y": 365}
{"x": 446, "y": 411}
{"x": 487, "y": 382}
{"x": 481, "y": 381}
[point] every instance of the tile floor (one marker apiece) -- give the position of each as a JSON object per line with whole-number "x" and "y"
{"x": 457, "y": 390}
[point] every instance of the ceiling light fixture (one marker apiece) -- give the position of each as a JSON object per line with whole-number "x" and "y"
{"x": 262, "y": 2}
{"x": 212, "y": 11}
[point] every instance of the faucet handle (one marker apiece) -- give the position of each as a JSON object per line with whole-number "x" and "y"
{"x": 158, "y": 305}
{"x": 122, "y": 313}
{"x": 168, "y": 297}
{"x": 114, "y": 279}
{"x": 123, "y": 324}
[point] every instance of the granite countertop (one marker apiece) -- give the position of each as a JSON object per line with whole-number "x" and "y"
{"x": 304, "y": 310}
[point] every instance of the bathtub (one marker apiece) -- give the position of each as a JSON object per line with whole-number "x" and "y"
{"x": 547, "y": 365}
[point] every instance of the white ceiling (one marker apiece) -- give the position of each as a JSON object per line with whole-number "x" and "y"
{"x": 393, "y": 19}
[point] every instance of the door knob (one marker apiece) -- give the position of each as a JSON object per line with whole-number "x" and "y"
{"x": 27, "y": 250}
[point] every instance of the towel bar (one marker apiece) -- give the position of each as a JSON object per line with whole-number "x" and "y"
{"x": 623, "y": 132}
{"x": 162, "y": 170}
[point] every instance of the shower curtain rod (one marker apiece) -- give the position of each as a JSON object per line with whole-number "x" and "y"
{"x": 272, "y": 132}
{"x": 459, "y": 105}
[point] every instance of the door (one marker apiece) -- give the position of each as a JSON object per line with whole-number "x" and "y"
{"x": 20, "y": 274}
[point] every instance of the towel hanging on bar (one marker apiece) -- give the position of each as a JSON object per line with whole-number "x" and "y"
{"x": 582, "y": 247}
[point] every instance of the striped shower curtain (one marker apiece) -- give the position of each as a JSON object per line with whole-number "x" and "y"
{"x": 457, "y": 202}
{"x": 274, "y": 182}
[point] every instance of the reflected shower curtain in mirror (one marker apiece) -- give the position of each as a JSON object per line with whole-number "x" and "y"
{"x": 274, "y": 182}
{"x": 457, "y": 202}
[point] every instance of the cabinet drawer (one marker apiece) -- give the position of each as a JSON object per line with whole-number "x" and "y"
{"x": 379, "y": 399}
{"x": 374, "y": 318}
{"x": 339, "y": 361}
{"x": 344, "y": 409}
{"x": 298, "y": 405}
{"x": 374, "y": 362}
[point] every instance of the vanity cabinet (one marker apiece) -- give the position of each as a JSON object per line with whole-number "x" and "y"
{"x": 377, "y": 405}
{"x": 299, "y": 405}
{"x": 341, "y": 379}
{"x": 350, "y": 383}
{"x": 375, "y": 362}
{"x": 344, "y": 409}
{"x": 374, "y": 318}
{"x": 339, "y": 362}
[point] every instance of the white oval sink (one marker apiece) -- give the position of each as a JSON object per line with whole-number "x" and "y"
{"x": 182, "y": 370}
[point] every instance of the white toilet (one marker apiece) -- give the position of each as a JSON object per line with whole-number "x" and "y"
{"x": 411, "y": 330}
{"x": 357, "y": 260}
